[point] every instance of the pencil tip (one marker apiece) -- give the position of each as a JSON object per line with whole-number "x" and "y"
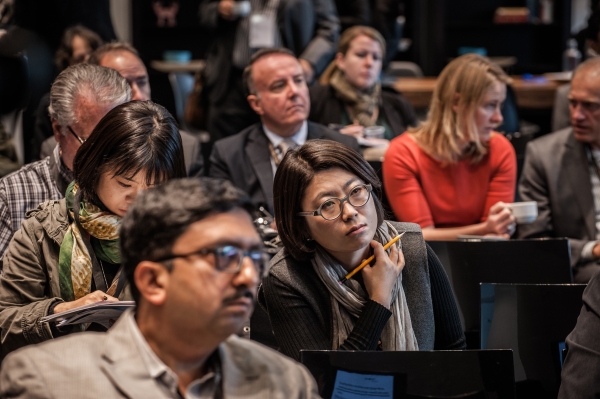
{"x": 341, "y": 282}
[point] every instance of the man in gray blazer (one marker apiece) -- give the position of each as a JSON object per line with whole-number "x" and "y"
{"x": 279, "y": 95}
{"x": 562, "y": 173}
{"x": 194, "y": 260}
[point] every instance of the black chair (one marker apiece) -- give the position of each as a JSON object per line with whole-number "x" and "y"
{"x": 416, "y": 374}
{"x": 469, "y": 263}
{"x": 534, "y": 321}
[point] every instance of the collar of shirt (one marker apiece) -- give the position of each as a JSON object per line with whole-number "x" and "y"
{"x": 159, "y": 371}
{"x": 299, "y": 138}
{"x": 63, "y": 171}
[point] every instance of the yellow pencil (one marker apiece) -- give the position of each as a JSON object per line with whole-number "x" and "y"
{"x": 369, "y": 259}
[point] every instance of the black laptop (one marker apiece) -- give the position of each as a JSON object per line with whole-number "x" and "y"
{"x": 533, "y": 321}
{"x": 469, "y": 263}
{"x": 419, "y": 374}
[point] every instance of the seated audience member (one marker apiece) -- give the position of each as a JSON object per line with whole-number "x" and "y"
{"x": 580, "y": 377}
{"x": 193, "y": 266}
{"x": 66, "y": 253}
{"x": 310, "y": 29}
{"x": 351, "y": 94}
{"x": 330, "y": 218}
{"x": 561, "y": 174}
{"x": 123, "y": 58}
{"x": 75, "y": 47}
{"x": 453, "y": 174}
{"x": 561, "y": 115}
{"x": 279, "y": 95}
{"x": 80, "y": 96}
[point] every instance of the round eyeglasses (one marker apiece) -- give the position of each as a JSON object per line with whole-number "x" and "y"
{"x": 228, "y": 258}
{"x": 332, "y": 208}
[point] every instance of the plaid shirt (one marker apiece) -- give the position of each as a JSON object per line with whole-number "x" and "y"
{"x": 28, "y": 187}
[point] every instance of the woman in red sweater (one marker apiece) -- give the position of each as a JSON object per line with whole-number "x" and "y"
{"x": 453, "y": 174}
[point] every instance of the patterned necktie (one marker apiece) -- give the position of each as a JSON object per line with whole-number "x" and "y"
{"x": 284, "y": 146}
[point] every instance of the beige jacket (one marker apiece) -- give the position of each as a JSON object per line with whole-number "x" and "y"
{"x": 29, "y": 279}
{"x": 110, "y": 365}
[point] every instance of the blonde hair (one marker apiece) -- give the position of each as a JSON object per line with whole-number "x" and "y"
{"x": 463, "y": 83}
{"x": 344, "y": 44}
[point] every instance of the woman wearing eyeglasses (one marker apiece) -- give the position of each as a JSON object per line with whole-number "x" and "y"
{"x": 66, "y": 253}
{"x": 329, "y": 217}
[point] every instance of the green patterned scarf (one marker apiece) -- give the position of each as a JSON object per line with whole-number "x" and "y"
{"x": 361, "y": 104}
{"x": 75, "y": 262}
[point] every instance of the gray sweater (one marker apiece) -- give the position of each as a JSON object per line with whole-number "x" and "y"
{"x": 299, "y": 305}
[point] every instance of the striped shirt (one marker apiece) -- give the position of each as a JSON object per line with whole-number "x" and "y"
{"x": 28, "y": 187}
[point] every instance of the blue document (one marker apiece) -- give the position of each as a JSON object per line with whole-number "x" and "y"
{"x": 362, "y": 386}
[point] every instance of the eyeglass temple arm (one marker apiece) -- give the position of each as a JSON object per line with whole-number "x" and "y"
{"x": 312, "y": 213}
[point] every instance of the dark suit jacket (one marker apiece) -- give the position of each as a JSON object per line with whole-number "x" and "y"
{"x": 326, "y": 108}
{"x": 309, "y": 28}
{"x": 245, "y": 160}
{"x": 580, "y": 377}
{"x": 556, "y": 175}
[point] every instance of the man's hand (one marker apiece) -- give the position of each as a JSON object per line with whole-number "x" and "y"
{"x": 309, "y": 72}
{"x": 226, "y": 9}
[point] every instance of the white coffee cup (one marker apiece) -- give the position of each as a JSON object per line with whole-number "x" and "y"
{"x": 241, "y": 8}
{"x": 524, "y": 212}
{"x": 375, "y": 132}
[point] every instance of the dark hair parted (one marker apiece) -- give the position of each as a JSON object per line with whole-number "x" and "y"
{"x": 160, "y": 215}
{"x": 247, "y": 78}
{"x": 133, "y": 137}
{"x": 295, "y": 174}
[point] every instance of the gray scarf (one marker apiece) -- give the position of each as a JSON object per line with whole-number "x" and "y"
{"x": 361, "y": 104}
{"x": 349, "y": 300}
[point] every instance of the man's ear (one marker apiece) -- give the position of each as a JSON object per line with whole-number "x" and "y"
{"x": 455, "y": 102}
{"x": 255, "y": 104}
{"x": 56, "y": 131}
{"x": 152, "y": 280}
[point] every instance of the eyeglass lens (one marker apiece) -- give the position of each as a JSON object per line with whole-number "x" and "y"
{"x": 230, "y": 258}
{"x": 332, "y": 208}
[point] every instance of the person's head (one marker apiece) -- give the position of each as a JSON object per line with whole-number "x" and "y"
{"x": 135, "y": 146}
{"x": 123, "y": 58}
{"x": 76, "y": 45}
{"x": 306, "y": 178}
{"x": 465, "y": 108}
{"x": 182, "y": 249}
{"x": 80, "y": 96}
{"x": 592, "y": 32}
{"x": 277, "y": 90}
{"x": 359, "y": 57}
{"x": 584, "y": 102}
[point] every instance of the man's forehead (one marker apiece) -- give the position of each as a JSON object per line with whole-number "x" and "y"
{"x": 275, "y": 66}
{"x": 123, "y": 62}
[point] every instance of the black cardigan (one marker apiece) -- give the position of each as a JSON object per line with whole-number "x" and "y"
{"x": 300, "y": 312}
{"x": 326, "y": 108}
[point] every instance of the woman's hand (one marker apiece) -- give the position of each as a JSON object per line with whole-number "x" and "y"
{"x": 500, "y": 220}
{"x": 354, "y": 130}
{"x": 96, "y": 296}
{"x": 380, "y": 278}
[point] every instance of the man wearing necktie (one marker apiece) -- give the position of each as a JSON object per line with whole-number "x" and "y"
{"x": 278, "y": 93}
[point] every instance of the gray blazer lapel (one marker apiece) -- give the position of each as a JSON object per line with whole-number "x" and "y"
{"x": 123, "y": 365}
{"x": 577, "y": 168}
{"x": 257, "y": 151}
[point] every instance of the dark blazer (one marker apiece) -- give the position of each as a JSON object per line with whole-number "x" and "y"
{"x": 580, "y": 377}
{"x": 556, "y": 175}
{"x": 309, "y": 28}
{"x": 245, "y": 159}
{"x": 326, "y": 108}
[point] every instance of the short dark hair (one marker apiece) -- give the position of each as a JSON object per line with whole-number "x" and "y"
{"x": 135, "y": 136}
{"x": 247, "y": 75}
{"x": 65, "y": 48}
{"x": 101, "y": 51}
{"x": 160, "y": 215}
{"x": 294, "y": 175}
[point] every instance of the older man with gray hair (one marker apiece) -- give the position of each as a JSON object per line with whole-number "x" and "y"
{"x": 80, "y": 96}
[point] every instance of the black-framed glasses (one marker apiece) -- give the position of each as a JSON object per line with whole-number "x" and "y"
{"x": 76, "y": 136}
{"x": 332, "y": 208}
{"x": 228, "y": 258}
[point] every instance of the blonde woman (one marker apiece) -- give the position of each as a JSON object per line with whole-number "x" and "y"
{"x": 453, "y": 174}
{"x": 350, "y": 94}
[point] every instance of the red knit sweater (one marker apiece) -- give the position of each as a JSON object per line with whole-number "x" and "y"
{"x": 421, "y": 190}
